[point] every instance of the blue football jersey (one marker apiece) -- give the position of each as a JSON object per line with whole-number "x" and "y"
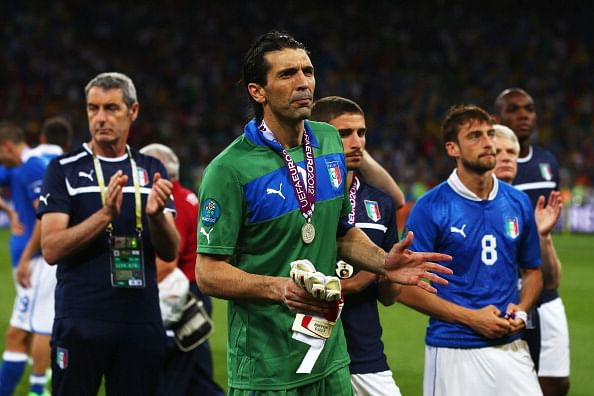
{"x": 375, "y": 215}
{"x": 488, "y": 240}
{"x": 538, "y": 174}
{"x": 25, "y": 184}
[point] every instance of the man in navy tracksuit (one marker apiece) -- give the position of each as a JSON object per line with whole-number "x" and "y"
{"x": 105, "y": 214}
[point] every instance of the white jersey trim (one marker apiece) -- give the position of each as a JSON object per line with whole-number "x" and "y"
{"x": 536, "y": 185}
{"x": 74, "y": 158}
{"x": 95, "y": 189}
{"x": 459, "y": 188}
{"x": 527, "y": 158}
{"x": 374, "y": 226}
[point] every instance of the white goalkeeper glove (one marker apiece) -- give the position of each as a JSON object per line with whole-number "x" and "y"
{"x": 317, "y": 284}
{"x": 310, "y": 329}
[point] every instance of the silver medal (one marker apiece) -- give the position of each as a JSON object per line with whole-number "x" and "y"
{"x": 308, "y": 232}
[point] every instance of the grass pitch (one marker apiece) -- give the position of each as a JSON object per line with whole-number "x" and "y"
{"x": 404, "y": 329}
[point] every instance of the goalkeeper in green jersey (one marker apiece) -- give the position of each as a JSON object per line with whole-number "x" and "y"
{"x": 274, "y": 197}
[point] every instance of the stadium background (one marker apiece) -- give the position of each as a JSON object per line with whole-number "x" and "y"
{"x": 405, "y": 62}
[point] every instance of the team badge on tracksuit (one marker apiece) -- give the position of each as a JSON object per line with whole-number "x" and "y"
{"x": 62, "y": 358}
{"x": 546, "y": 171}
{"x": 373, "y": 210}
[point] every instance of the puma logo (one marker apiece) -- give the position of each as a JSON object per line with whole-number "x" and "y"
{"x": 459, "y": 230}
{"x": 44, "y": 198}
{"x": 206, "y": 234}
{"x": 87, "y": 175}
{"x": 277, "y": 192}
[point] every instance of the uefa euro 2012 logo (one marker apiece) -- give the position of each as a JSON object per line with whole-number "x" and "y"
{"x": 210, "y": 212}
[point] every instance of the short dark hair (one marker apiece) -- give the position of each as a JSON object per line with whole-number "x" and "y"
{"x": 459, "y": 115}
{"x": 330, "y": 107}
{"x": 498, "y": 106}
{"x": 255, "y": 66}
{"x": 57, "y": 130}
{"x": 10, "y": 131}
{"x": 115, "y": 80}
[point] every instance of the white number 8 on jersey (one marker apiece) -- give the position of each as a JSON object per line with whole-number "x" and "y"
{"x": 489, "y": 249}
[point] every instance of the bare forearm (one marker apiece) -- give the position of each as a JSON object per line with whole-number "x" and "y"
{"x": 166, "y": 238}
{"x": 10, "y": 212}
{"x": 531, "y": 288}
{"x": 56, "y": 244}
{"x": 388, "y": 292}
{"x": 432, "y": 305}
{"x": 5, "y": 207}
{"x": 220, "y": 279}
{"x": 33, "y": 244}
{"x": 164, "y": 268}
{"x": 357, "y": 249}
{"x": 551, "y": 265}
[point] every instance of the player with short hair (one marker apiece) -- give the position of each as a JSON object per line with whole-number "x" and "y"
{"x": 273, "y": 202}
{"x": 32, "y": 318}
{"x": 373, "y": 212}
{"x": 55, "y": 132}
{"x": 473, "y": 344}
{"x": 55, "y": 139}
{"x": 538, "y": 175}
{"x": 105, "y": 215}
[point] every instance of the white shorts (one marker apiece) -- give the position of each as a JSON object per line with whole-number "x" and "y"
{"x": 503, "y": 370}
{"x": 372, "y": 384}
{"x": 554, "y": 340}
{"x": 33, "y": 309}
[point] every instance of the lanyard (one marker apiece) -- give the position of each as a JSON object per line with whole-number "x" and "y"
{"x": 101, "y": 182}
{"x": 306, "y": 195}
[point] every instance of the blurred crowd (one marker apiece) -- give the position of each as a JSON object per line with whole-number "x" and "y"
{"x": 405, "y": 62}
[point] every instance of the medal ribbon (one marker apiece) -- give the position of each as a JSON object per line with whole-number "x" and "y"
{"x": 353, "y": 199}
{"x": 306, "y": 195}
{"x": 102, "y": 188}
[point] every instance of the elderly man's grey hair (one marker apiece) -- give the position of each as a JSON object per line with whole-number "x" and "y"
{"x": 115, "y": 80}
{"x": 166, "y": 156}
{"x": 506, "y": 133}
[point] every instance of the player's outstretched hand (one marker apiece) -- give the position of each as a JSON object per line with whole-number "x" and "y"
{"x": 415, "y": 268}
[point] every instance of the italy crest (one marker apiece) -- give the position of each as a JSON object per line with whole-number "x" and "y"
{"x": 512, "y": 227}
{"x": 546, "y": 171}
{"x": 334, "y": 172}
{"x": 373, "y": 211}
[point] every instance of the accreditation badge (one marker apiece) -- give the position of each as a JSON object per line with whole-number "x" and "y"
{"x": 127, "y": 261}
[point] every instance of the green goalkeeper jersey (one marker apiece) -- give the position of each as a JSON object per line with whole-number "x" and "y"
{"x": 249, "y": 211}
